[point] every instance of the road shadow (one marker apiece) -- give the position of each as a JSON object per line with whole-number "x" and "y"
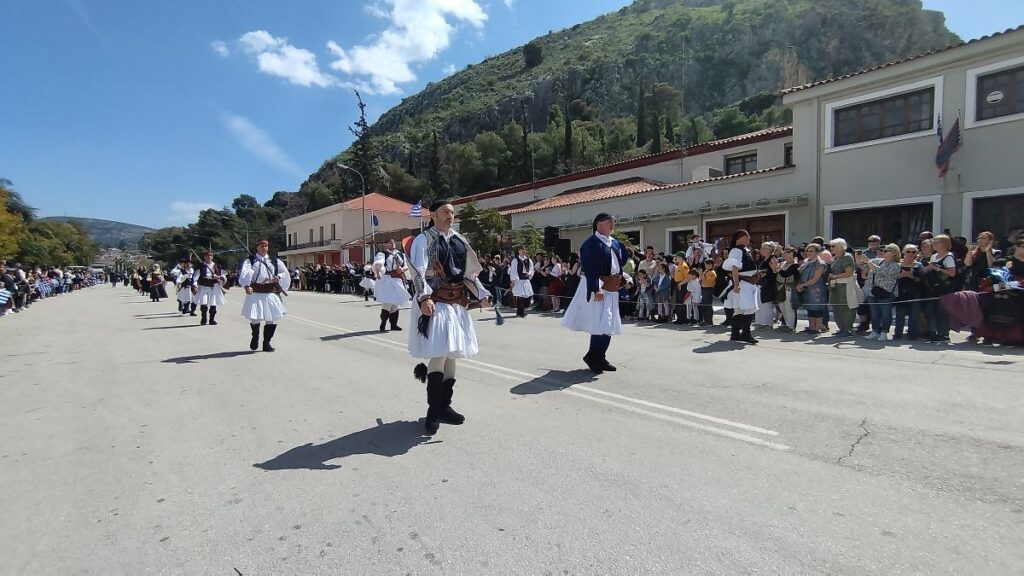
{"x": 172, "y": 327}
{"x": 388, "y": 440}
{"x": 720, "y": 346}
{"x": 554, "y": 381}
{"x": 198, "y": 357}
{"x": 359, "y": 334}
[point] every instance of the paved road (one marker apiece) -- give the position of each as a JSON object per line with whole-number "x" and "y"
{"x": 137, "y": 442}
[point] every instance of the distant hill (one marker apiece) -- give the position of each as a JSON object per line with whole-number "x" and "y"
{"x": 106, "y": 233}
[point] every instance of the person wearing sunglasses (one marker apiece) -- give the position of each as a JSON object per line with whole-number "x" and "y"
{"x": 908, "y": 286}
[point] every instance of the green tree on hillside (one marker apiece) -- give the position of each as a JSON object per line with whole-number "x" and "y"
{"x": 533, "y": 54}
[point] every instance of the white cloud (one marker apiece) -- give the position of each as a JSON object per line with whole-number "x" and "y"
{"x": 510, "y": 4}
{"x": 276, "y": 57}
{"x": 187, "y": 212}
{"x": 449, "y": 69}
{"x": 419, "y": 30}
{"x": 260, "y": 144}
{"x": 220, "y": 48}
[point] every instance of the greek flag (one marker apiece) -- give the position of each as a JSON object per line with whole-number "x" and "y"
{"x": 417, "y": 210}
{"x": 373, "y": 220}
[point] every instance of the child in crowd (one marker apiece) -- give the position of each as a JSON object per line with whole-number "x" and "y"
{"x": 662, "y": 291}
{"x": 708, "y": 279}
{"x": 693, "y": 296}
{"x": 644, "y": 296}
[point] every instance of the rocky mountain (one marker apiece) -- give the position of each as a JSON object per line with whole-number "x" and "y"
{"x": 106, "y": 233}
{"x": 705, "y": 55}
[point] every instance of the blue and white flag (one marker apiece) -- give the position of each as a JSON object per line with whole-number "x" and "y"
{"x": 417, "y": 210}
{"x": 373, "y": 220}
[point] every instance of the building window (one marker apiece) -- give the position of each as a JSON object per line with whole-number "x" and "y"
{"x": 334, "y": 234}
{"x": 787, "y": 155}
{"x": 1000, "y": 94}
{"x": 310, "y": 235}
{"x": 679, "y": 240}
{"x": 997, "y": 214}
{"x": 740, "y": 164}
{"x": 321, "y": 233}
{"x": 899, "y": 224}
{"x": 894, "y": 116}
{"x": 634, "y": 236}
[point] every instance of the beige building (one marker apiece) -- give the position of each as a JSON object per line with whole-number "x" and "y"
{"x": 859, "y": 159}
{"x": 334, "y": 235}
{"x": 870, "y": 140}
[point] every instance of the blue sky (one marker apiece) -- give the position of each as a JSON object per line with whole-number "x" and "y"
{"x": 146, "y": 112}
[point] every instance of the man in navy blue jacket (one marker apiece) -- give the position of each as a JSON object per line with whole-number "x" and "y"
{"x": 595, "y": 306}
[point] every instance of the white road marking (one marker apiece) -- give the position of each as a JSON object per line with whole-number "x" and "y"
{"x": 577, "y": 390}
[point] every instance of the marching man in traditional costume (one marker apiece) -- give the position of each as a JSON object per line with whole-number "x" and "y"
{"x": 211, "y": 281}
{"x": 744, "y": 292}
{"x": 264, "y": 279}
{"x": 390, "y": 287}
{"x": 444, "y": 272}
{"x": 186, "y": 288}
{"x": 520, "y": 272}
{"x": 595, "y": 306}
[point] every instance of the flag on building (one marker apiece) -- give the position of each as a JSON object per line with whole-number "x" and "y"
{"x": 373, "y": 220}
{"x": 948, "y": 146}
{"x": 417, "y": 209}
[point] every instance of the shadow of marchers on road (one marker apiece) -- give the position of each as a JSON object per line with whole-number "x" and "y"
{"x": 388, "y": 440}
{"x": 196, "y": 358}
{"x": 720, "y": 346}
{"x": 172, "y": 327}
{"x": 333, "y": 337}
{"x": 554, "y": 381}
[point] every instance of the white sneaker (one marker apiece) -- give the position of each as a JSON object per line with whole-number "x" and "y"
{"x": 872, "y": 336}
{"x": 883, "y": 337}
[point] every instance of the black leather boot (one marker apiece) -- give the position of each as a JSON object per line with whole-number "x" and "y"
{"x": 202, "y": 312}
{"x": 448, "y": 415}
{"x": 736, "y": 327}
{"x": 394, "y": 321}
{"x": 213, "y": 315}
{"x": 255, "y": 342}
{"x": 748, "y": 319}
{"x": 192, "y": 310}
{"x": 383, "y": 320}
{"x": 268, "y": 335}
{"x": 594, "y": 363}
{"x": 435, "y": 395}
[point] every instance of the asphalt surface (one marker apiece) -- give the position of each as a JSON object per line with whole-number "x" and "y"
{"x": 138, "y": 442}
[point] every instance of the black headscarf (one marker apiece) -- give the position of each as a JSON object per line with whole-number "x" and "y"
{"x": 435, "y": 207}
{"x": 600, "y": 218}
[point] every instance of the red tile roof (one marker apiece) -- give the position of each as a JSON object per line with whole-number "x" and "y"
{"x": 380, "y": 203}
{"x": 900, "y": 61}
{"x": 648, "y": 160}
{"x": 619, "y": 189}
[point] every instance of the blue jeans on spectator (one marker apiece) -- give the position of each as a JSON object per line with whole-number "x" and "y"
{"x": 905, "y": 310}
{"x": 881, "y": 313}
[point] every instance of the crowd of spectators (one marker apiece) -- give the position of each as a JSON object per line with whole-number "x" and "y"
{"x": 881, "y": 292}
{"x": 22, "y": 287}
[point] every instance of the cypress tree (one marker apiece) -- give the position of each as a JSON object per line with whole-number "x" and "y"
{"x": 656, "y": 141}
{"x": 670, "y": 133}
{"x": 568, "y": 137}
{"x": 436, "y": 182}
{"x": 641, "y": 118}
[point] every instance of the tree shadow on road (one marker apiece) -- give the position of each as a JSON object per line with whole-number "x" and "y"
{"x": 360, "y": 334}
{"x": 553, "y": 381}
{"x": 388, "y": 440}
{"x": 198, "y": 357}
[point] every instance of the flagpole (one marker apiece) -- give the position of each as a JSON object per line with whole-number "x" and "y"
{"x": 373, "y": 233}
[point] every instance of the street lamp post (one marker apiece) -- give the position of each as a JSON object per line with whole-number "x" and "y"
{"x": 363, "y": 183}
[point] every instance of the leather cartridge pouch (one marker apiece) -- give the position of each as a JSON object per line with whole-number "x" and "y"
{"x": 451, "y": 294}
{"x": 207, "y": 282}
{"x": 268, "y": 288}
{"x": 397, "y": 274}
{"x": 611, "y": 283}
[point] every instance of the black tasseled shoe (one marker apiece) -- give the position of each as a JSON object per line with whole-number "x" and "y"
{"x": 595, "y": 364}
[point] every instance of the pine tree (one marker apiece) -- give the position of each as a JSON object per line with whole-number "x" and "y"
{"x": 364, "y": 158}
{"x": 568, "y": 137}
{"x": 641, "y": 117}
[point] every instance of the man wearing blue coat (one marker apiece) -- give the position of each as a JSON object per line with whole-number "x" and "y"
{"x": 595, "y": 306}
